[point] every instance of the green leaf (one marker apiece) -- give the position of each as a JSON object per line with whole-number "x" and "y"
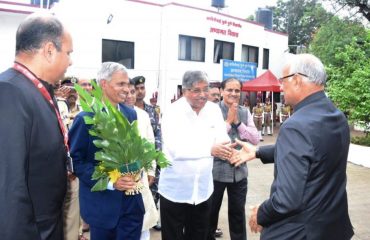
{"x": 98, "y": 174}
{"x": 118, "y": 141}
{"x": 84, "y": 95}
{"x": 100, "y": 185}
{"x": 88, "y": 120}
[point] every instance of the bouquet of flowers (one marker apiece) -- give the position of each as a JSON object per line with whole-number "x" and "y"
{"x": 122, "y": 151}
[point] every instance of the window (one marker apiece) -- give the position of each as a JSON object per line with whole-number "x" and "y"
{"x": 266, "y": 56}
{"x": 119, "y": 51}
{"x": 45, "y": 3}
{"x": 223, "y": 50}
{"x": 250, "y": 54}
{"x": 191, "y": 48}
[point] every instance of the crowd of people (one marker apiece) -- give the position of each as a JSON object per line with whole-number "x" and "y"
{"x": 48, "y": 155}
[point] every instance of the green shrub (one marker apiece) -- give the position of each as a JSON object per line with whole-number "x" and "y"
{"x": 361, "y": 140}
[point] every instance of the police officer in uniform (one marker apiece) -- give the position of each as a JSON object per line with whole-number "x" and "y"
{"x": 267, "y": 112}
{"x": 284, "y": 112}
{"x": 257, "y": 113}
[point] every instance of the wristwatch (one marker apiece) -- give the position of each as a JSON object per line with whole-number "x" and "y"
{"x": 258, "y": 154}
{"x": 236, "y": 125}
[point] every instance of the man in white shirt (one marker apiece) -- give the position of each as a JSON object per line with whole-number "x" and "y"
{"x": 193, "y": 133}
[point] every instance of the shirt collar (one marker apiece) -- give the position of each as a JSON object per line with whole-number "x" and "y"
{"x": 310, "y": 99}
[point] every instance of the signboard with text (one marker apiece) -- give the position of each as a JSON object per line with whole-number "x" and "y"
{"x": 243, "y": 71}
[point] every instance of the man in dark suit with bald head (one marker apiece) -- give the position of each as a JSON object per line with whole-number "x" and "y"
{"x": 33, "y": 141}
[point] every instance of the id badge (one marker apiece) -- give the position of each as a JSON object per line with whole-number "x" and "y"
{"x": 69, "y": 163}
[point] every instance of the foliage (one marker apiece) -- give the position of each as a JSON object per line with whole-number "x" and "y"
{"x": 349, "y": 83}
{"x": 333, "y": 36}
{"x": 364, "y": 141}
{"x": 121, "y": 149}
{"x": 363, "y": 6}
{"x": 250, "y": 18}
{"x": 300, "y": 19}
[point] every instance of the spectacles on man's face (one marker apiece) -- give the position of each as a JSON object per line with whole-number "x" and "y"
{"x": 291, "y": 75}
{"x": 198, "y": 91}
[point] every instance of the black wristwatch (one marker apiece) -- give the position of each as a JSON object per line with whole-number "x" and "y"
{"x": 258, "y": 154}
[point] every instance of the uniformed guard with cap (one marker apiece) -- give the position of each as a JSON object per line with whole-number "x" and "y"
{"x": 139, "y": 80}
{"x": 284, "y": 112}
{"x": 267, "y": 112}
{"x": 257, "y": 114}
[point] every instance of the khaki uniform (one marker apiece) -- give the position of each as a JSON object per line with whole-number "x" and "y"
{"x": 267, "y": 111}
{"x": 284, "y": 112}
{"x": 257, "y": 113}
{"x": 72, "y": 220}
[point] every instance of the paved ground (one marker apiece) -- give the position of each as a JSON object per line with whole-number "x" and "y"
{"x": 260, "y": 179}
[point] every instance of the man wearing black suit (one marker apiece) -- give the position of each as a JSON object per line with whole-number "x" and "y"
{"x": 308, "y": 198}
{"x": 33, "y": 151}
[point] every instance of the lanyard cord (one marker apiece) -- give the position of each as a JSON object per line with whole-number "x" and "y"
{"x": 22, "y": 69}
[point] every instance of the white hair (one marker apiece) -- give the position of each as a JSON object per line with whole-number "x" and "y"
{"x": 108, "y": 69}
{"x": 309, "y": 65}
{"x": 191, "y": 77}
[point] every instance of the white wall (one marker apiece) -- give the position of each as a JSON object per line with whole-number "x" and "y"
{"x": 195, "y": 22}
{"x": 8, "y": 26}
{"x": 155, "y": 31}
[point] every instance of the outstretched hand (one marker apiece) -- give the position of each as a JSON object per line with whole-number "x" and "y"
{"x": 246, "y": 153}
{"x": 223, "y": 150}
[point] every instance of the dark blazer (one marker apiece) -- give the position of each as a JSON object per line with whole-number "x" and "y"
{"x": 99, "y": 209}
{"x": 308, "y": 198}
{"x": 33, "y": 175}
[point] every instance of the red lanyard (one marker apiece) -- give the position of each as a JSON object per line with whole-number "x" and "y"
{"x": 46, "y": 95}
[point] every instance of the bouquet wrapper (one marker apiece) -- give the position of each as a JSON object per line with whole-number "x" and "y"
{"x": 133, "y": 170}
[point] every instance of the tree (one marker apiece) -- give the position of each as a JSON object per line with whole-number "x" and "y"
{"x": 250, "y": 18}
{"x": 362, "y": 6}
{"x": 300, "y": 19}
{"x": 349, "y": 82}
{"x": 332, "y": 38}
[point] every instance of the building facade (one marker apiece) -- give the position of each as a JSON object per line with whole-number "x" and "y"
{"x": 158, "y": 41}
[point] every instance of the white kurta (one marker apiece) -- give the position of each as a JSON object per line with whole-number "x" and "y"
{"x": 187, "y": 141}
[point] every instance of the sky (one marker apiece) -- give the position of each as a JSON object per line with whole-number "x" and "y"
{"x": 237, "y": 8}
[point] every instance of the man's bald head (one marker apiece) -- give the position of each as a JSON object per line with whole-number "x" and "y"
{"x": 36, "y": 30}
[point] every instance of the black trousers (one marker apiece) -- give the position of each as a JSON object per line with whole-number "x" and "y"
{"x": 182, "y": 221}
{"x": 237, "y": 194}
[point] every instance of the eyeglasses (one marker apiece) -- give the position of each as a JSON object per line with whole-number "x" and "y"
{"x": 291, "y": 75}
{"x": 198, "y": 90}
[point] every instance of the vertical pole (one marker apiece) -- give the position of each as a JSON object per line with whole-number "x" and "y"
{"x": 272, "y": 115}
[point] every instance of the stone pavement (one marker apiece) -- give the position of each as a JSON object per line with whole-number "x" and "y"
{"x": 259, "y": 182}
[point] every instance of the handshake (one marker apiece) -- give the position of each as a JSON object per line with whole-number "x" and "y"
{"x": 247, "y": 152}
{"x": 228, "y": 152}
